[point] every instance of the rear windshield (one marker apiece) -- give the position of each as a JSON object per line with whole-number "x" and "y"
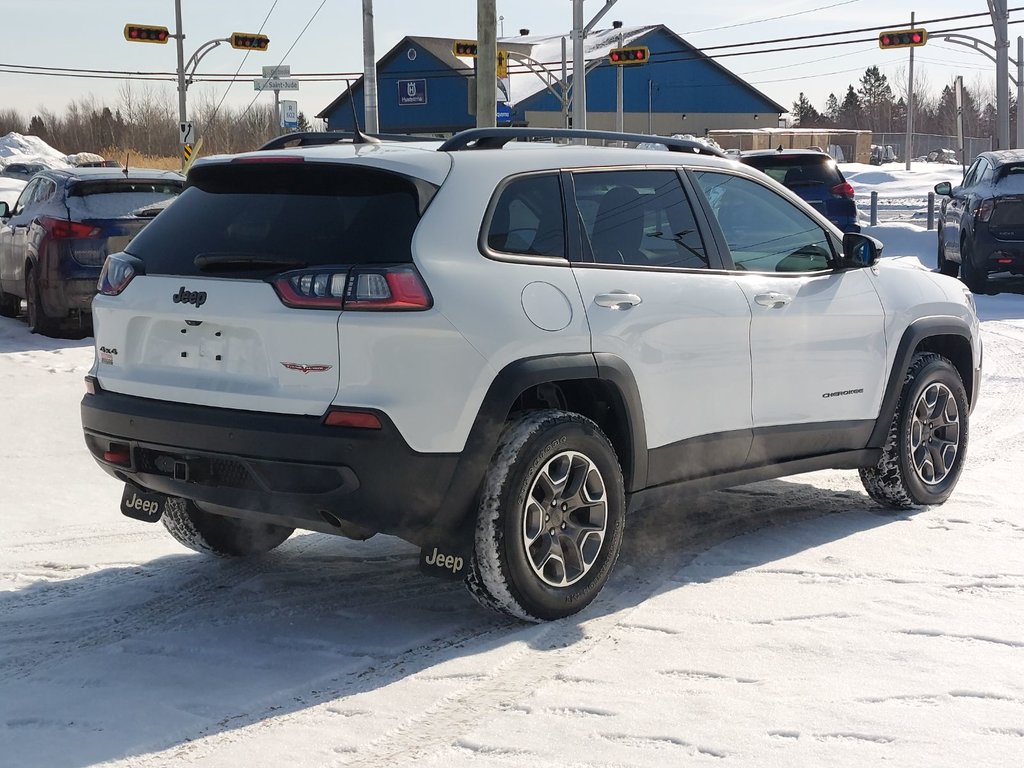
{"x": 119, "y": 198}
{"x": 252, "y": 219}
{"x": 1011, "y": 178}
{"x": 798, "y": 170}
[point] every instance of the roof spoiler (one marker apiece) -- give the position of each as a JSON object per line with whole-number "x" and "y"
{"x": 496, "y": 138}
{"x": 321, "y": 138}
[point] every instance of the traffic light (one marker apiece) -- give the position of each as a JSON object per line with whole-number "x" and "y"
{"x": 143, "y": 33}
{"x": 249, "y": 41}
{"x": 464, "y": 48}
{"x": 903, "y": 38}
{"x": 637, "y": 54}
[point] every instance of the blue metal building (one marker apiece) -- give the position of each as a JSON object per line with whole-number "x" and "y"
{"x": 424, "y": 88}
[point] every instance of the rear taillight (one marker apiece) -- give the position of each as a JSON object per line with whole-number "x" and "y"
{"x": 843, "y": 190}
{"x": 62, "y": 229}
{"x": 117, "y": 272}
{"x": 395, "y": 288}
{"x": 984, "y": 210}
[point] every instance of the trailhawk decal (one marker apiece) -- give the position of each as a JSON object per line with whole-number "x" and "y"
{"x": 303, "y": 368}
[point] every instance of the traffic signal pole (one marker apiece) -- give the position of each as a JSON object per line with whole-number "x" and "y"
{"x": 179, "y": 39}
{"x": 908, "y": 148}
{"x": 486, "y": 63}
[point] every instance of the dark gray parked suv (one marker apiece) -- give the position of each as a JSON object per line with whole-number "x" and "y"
{"x": 981, "y": 227}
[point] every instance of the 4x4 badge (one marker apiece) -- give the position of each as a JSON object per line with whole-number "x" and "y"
{"x": 302, "y": 367}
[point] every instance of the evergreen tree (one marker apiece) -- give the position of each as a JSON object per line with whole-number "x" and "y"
{"x": 832, "y": 109}
{"x": 804, "y": 113}
{"x": 876, "y": 99}
{"x": 36, "y": 127}
{"x": 851, "y": 112}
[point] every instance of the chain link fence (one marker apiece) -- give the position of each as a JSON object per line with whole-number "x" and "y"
{"x": 923, "y": 144}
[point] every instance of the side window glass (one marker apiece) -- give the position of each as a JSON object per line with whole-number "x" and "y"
{"x": 44, "y": 191}
{"x": 984, "y": 172}
{"x": 639, "y": 218}
{"x": 971, "y": 175}
{"x": 764, "y": 231}
{"x": 527, "y": 218}
{"x": 25, "y": 197}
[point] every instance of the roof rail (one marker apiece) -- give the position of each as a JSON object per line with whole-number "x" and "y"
{"x": 320, "y": 138}
{"x": 496, "y": 138}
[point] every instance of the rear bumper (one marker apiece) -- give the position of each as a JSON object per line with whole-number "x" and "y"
{"x": 992, "y": 255}
{"x": 280, "y": 468}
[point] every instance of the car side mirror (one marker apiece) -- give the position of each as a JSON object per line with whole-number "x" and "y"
{"x": 5, "y": 211}
{"x": 943, "y": 188}
{"x": 860, "y": 251}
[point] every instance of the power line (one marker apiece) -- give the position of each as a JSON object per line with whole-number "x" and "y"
{"x": 240, "y": 65}
{"x": 769, "y": 18}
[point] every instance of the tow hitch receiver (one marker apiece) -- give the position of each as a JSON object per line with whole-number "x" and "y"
{"x": 142, "y": 505}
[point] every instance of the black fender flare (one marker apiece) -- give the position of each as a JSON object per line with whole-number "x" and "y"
{"x": 454, "y": 518}
{"x": 915, "y": 333}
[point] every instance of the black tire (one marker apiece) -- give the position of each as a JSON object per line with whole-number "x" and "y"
{"x": 524, "y": 577}
{"x": 927, "y": 443}
{"x": 38, "y": 321}
{"x": 219, "y": 535}
{"x": 10, "y": 305}
{"x": 950, "y": 268}
{"x": 974, "y": 278}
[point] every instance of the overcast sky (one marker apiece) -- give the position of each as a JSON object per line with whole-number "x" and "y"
{"x": 89, "y": 35}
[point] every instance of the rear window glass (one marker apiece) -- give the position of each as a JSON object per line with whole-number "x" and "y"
{"x": 254, "y": 219}
{"x": 798, "y": 170}
{"x": 119, "y": 198}
{"x": 1011, "y": 178}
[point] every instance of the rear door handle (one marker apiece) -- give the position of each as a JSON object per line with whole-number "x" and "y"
{"x": 773, "y": 300}
{"x": 617, "y": 300}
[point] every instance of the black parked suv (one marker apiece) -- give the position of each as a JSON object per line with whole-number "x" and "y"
{"x": 981, "y": 226}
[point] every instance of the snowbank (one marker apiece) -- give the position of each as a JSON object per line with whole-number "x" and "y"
{"x": 10, "y": 189}
{"x": 15, "y": 148}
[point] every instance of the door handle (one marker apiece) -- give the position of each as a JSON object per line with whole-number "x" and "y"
{"x": 773, "y": 300}
{"x": 617, "y": 300}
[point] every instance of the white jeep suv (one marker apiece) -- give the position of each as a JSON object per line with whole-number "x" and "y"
{"x": 488, "y": 348}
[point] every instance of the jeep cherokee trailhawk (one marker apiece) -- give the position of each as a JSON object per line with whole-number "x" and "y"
{"x": 487, "y": 346}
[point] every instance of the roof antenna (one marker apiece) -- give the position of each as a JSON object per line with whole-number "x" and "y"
{"x": 358, "y": 137}
{"x": 126, "y": 154}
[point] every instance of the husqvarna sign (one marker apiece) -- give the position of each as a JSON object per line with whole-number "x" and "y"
{"x": 412, "y": 92}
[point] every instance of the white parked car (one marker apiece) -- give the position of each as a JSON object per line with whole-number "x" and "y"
{"x": 491, "y": 349}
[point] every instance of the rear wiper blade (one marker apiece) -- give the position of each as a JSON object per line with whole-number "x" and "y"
{"x": 227, "y": 261}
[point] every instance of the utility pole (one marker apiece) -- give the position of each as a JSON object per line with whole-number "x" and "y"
{"x": 579, "y": 75}
{"x": 909, "y": 149}
{"x": 1020, "y": 93}
{"x": 370, "y": 119}
{"x": 486, "y": 63}
{"x": 1000, "y": 25}
{"x": 619, "y": 106}
{"x": 179, "y": 38}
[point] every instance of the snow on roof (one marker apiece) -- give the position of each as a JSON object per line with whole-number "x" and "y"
{"x": 15, "y": 148}
{"x": 547, "y": 49}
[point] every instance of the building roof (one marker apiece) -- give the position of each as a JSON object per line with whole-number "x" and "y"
{"x": 438, "y": 47}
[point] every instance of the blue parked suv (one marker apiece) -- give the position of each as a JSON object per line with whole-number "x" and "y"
{"x": 63, "y": 226}
{"x": 815, "y": 177}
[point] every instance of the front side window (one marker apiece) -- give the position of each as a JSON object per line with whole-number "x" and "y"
{"x": 764, "y": 231}
{"x": 25, "y": 198}
{"x": 527, "y": 218}
{"x": 639, "y": 218}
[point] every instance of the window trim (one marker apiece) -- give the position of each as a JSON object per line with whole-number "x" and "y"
{"x": 586, "y": 261}
{"x": 730, "y": 266}
{"x": 523, "y": 258}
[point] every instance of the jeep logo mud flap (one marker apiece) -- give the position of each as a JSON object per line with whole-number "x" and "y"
{"x": 444, "y": 561}
{"x": 142, "y": 505}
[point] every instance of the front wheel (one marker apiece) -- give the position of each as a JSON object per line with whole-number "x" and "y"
{"x": 927, "y": 442}
{"x": 550, "y": 519}
{"x": 217, "y": 534}
{"x": 950, "y": 268}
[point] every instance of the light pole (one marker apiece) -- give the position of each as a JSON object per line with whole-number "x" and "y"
{"x": 579, "y": 70}
{"x": 1000, "y": 25}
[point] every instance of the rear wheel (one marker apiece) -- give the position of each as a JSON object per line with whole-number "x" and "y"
{"x": 219, "y": 535}
{"x": 38, "y": 320}
{"x": 550, "y": 519}
{"x": 927, "y": 442}
{"x": 974, "y": 278}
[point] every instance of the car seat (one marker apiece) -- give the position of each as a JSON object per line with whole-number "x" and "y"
{"x": 619, "y": 228}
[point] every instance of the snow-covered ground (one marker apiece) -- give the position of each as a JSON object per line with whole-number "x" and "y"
{"x": 902, "y": 194}
{"x": 785, "y": 623}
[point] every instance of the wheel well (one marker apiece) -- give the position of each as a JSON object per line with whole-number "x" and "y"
{"x": 597, "y": 399}
{"x": 957, "y": 350}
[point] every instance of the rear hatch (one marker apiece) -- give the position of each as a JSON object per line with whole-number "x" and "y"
{"x": 815, "y": 178}
{"x": 1007, "y": 219}
{"x": 239, "y": 285}
{"x": 104, "y": 215}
